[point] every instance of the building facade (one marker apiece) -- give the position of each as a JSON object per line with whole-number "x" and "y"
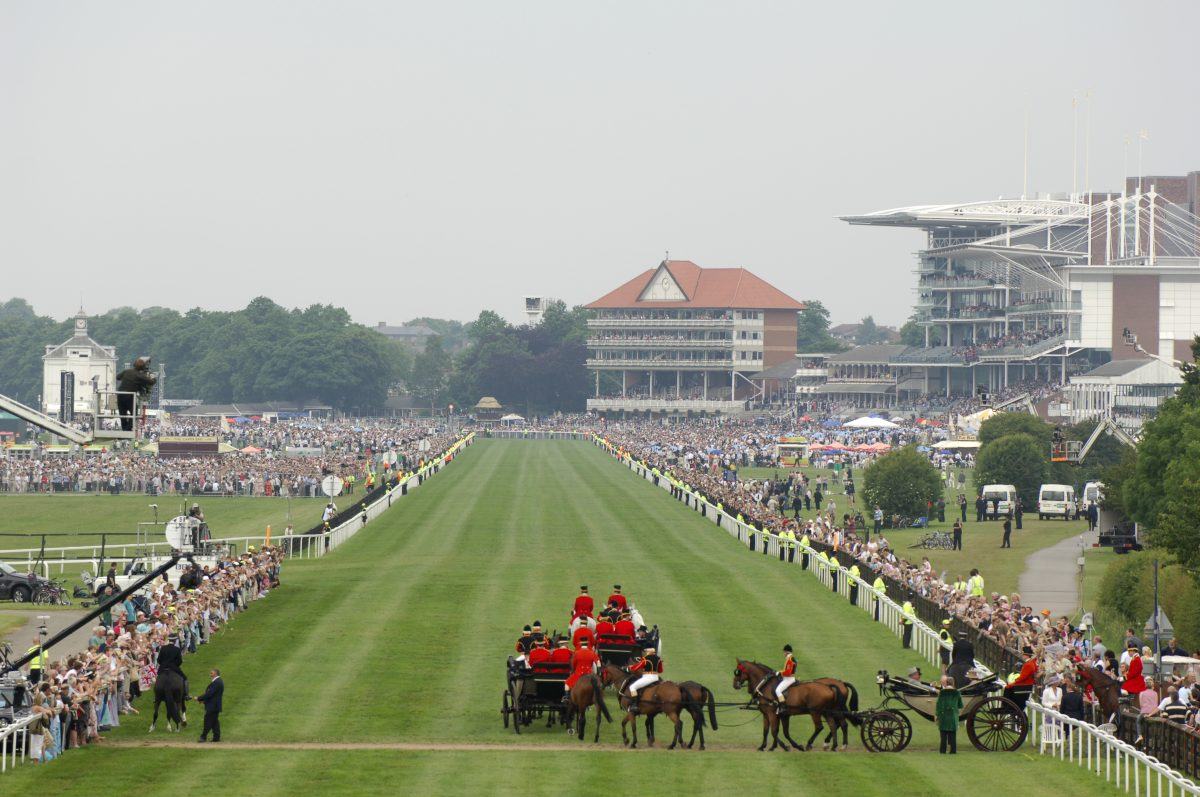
{"x": 1127, "y": 390}
{"x": 681, "y": 338}
{"x": 1019, "y": 293}
{"x": 94, "y": 368}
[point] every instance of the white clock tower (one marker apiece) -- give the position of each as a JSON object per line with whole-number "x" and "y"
{"x": 94, "y": 367}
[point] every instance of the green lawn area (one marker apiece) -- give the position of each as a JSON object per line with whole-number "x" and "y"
{"x": 401, "y": 636}
{"x": 1001, "y": 569}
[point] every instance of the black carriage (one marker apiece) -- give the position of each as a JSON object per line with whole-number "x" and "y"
{"x": 622, "y": 650}
{"x": 534, "y": 692}
{"x": 994, "y": 722}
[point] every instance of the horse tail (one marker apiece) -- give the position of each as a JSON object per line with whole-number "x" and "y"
{"x": 854, "y": 717}
{"x": 598, "y": 697}
{"x": 712, "y": 708}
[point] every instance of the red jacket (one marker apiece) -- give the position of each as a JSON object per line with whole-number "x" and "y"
{"x": 584, "y": 605}
{"x": 583, "y": 661}
{"x": 648, "y": 665}
{"x": 619, "y": 599}
{"x": 583, "y": 632}
{"x": 560, "y": 654}
{"x": 1028, "y": 672}
{"x": 789, "y": 667}
{"x": 1134, "y": 682}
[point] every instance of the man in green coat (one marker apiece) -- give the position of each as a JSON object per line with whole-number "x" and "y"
{"x": 949, "y": 704}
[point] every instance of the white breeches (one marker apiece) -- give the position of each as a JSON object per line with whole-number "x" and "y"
{"x": 643, "y": 682}
{"x": 783, "y": 687}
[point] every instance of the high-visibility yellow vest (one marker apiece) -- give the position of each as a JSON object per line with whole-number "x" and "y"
{"x": 38, "y": 662}
{"x": 854, "y": 570}
{"x": 804, "y": 540}
{"x": 960, "y": 586}
{"x": 909, "y": 613}
{"x": 879, "y": 584}
{"x": 975, "y": 586}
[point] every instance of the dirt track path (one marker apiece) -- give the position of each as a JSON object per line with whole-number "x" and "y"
{"x": 399, "y": 746}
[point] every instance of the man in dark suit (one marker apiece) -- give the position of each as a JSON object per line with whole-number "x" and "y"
{"x": 212, "y": 706}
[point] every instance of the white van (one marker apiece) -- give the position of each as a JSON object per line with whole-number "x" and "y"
{"x": 1056, "y": 500}
{"x": 1093, "y": 493}
{"x": 1005, "y": 492}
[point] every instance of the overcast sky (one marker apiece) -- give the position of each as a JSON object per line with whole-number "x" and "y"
{"x": 438, "y": 158}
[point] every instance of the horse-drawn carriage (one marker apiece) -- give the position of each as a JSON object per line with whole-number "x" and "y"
{"x": 994, "y": 722}
{"x": 536, "y": 691}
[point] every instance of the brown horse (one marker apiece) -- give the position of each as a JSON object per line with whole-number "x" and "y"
{"x": 821, "y": 700}
{"x": 587, "y": 692}
{"x": 695, "y": 697}
{"x": 1106, "y": 688}
{"x": 849, "y": 697}
{"x": 663, "y": 697}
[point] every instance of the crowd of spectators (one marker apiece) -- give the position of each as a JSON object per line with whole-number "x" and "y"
{"x": 76, "y": 698}
{"x": 280, "y": 458}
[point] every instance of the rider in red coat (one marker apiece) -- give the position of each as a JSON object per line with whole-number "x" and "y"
{"x": 617, "y": 598}
{"x": 583, "y": 634}
{"x": 584, "y": 605}
{"x": 1134, "y": 682}
{"x": 583, "y": 662}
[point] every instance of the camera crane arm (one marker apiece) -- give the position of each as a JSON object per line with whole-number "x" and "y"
{"x": 100, "y": 607}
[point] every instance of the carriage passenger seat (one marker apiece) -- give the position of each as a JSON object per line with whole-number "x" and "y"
{"x": 538, "y": 656}
{"x": 605, "y": 628}
{"x": 625, "y": 628}
{"x": 560, "y": 655}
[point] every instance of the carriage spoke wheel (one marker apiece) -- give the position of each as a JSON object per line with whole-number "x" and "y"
{"x": 506, "y": 708}
{"x": 997, "y": 724}
{"x": 886, "y": 731}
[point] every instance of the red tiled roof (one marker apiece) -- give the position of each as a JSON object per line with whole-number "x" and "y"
{"x": 710, "y": 288}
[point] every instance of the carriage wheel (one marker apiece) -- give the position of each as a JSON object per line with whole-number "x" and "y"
{"x": 505, "y": 707}
{"x": 996, "y": 724}
{"x": 514, "y": 701}
{"x": 886, "y": 731}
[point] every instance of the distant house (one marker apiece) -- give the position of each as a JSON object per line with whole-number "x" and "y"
{"x": 488, "y": 409}
{"x": 848, "y": 333}
{"x": 414, "y": 335}
{"x": 94, "y": 368}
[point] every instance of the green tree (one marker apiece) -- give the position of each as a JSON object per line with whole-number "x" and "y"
{"x": 869, "y": 332}
{"x": 812, "y": 329}
{"x": 1016, "y": 459}
{"x": 430, "y": 373}
{"x": 1005, "y": 423}
{"x": 903, "y": 481}
{"x": 912, "y": 333}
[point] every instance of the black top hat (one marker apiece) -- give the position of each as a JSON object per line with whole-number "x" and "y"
{"x": 526, "y": 628}
{"x": 787, "y": 648}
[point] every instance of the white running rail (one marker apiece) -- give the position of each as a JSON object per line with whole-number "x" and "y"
{"x": 1120, "y": 763}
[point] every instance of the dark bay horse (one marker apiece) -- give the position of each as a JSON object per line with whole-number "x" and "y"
{"x": 695, "y": 698}
{"x": 168, "y": 688}
{"x": 849, "y": 695}
{"x": 663, "y": 697}
{"x": 821, "y": 700}
{"x": 587, "y": 692}
{"x": 1106, "y": 688}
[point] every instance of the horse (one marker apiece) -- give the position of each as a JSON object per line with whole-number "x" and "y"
{"x": 849, "y": 696}
{"x": 168, "y": 688}
{"x": 1106, "y": 688}
{"x": 696, "y": 696}
{"x": 587, "y": 692}
{"x": 663, "y": 697}
{"x": 821, "y": 700}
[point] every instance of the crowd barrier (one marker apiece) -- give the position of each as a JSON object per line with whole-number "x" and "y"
{"x": 1176, "y": 748}
{"x": 1103, "y": 754}
{"x": 535, "y": 434}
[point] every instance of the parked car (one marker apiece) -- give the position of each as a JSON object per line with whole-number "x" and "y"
{"x": 17, "y": 586}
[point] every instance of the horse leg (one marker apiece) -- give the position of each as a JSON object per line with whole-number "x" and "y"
{"x": 154, "y": 720}
{"x": 677, "y": 739}
{"x": 582, "y": 723}
{"x": 775, "y": 734}
{"x": 816, "y": 730}
{"x": 766, "y": 725}
{"x": 695, "y": 729}
{"x": 597, "y": 739}
{"x": 786, "y": 721}
{"x": 634, "y": 723}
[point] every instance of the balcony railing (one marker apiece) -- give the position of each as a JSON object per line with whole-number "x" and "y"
{"x": 944, "y": 283}
{"x": 679, "y": 364}
{"x": 658, "y": 323}
{"x": 665, "y": 405}
{"x": 1045, "y": 307}
{"x": 658, "y": 343}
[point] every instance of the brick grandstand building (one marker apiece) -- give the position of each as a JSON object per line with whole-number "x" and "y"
{"x": 684, "y": 339}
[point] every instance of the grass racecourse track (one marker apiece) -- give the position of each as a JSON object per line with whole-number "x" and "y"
{"x": 379, "y": 669}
